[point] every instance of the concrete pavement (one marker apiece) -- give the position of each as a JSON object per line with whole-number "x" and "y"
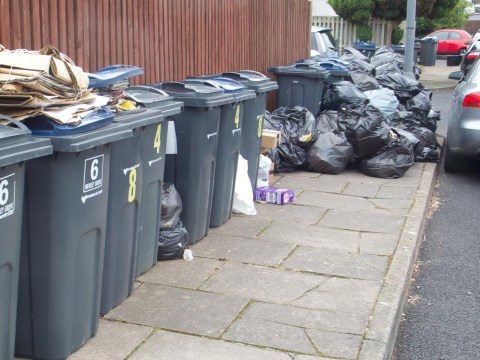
{"x": 322, "y": 279}
{"x": 436, "y": 77}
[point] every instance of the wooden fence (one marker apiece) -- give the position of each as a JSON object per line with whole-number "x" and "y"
{"x": 171, "y": 39}
{"x": 346, "y": 32}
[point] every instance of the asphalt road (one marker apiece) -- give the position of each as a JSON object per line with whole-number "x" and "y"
{"x": 442, "y": 316}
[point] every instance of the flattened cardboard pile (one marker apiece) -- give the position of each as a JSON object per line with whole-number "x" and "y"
{"x": 44, "y": 82}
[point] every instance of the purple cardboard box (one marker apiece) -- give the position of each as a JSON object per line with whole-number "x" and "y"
{"x": 272, "y": 195}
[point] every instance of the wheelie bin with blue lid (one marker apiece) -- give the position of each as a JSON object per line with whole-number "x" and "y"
{"x": 254, "y": 113}
{"x": 365, "y": 47}
{"x": 301, "y": 85}
{"x": 337, "y": 69}
{"x": 197, "y": 130}
{"x": 63, "y": 240}
{"x": 16, "y": 147}
{"x": 231, "y": 121}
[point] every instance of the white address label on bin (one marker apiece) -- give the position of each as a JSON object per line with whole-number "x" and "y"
{"x": 93, "y": 177}
{"x": 7, "y": 196}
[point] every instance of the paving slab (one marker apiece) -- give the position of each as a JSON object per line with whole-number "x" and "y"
{"x": 334, "y": 201}
{"x": 181, "y": 273}
{"x": 173, "y": 346}
{"x": 324, "y": 183}
{"x": 310, "y": 357}
{"x": 315, "y": 236}
{"x": 253, "y": 251}
{"x": 114, "y": 341}
{"x": 362, "y": 190}
{"x": 242, "y": 225}
{"x": 372, "y": 350}
{"x": 395, "y": 192}
{"x": 193, "y": 312}
{"x": 363, "y": 221}
{"x": 343, "y": 264}
{"x": 378, "y": 244}
{"x": 290, "y": 214}
{"x": 261, "y": 283}
{"x": 345, "y": 346}
{"x": 270, "y": 334}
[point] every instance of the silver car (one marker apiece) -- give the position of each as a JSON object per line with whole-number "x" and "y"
{"x": 463, "y": 138}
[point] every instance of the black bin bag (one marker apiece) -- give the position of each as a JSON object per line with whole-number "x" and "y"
{"x": 342, "y": 92}
{"x": 403, "y": 87}
{"x": 392, "y": 161}
{"x": 330, "y": 153}
{"x": 296, "y": 124}
{"x": 171, "y": 207}
{"x": 365, "y": 128}
{"x": 173, "y": 242}
{"x": 287, "y": 157}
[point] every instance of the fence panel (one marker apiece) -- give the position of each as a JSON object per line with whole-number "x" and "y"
{"x": 171, "y": 39}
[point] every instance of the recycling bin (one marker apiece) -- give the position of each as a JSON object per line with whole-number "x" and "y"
{"x": 197, "y": 130}
{"x": 365, "y": 47}
{"x": 136, "y": 172}
{"x": 16, "y": 147}
{"x": 254, "y": 113}
{"x": 231, "y": 120}
{"x": 301, "y": 85}
{"x": 400, "y": 49}
{"x": 336, "y": 68}
{"x": 428, "y": 51}
{"x": 63, "y": 240}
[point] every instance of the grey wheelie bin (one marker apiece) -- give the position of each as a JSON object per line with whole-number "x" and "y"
{"x": 16, "y": 147}
{"x": 133, "y": 201}
{"x": 64, "y": 237}
{"x": 336, "y": 68}
{"x": 428, "y": 51}
{"x": 253, "y": 116}
{"x": 301, "y": 85}
{"x": 231, "y": 121}
{"x": 197, "y": 130}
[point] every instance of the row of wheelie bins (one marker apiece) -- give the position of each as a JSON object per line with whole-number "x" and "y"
{"x": 80, "y": 205}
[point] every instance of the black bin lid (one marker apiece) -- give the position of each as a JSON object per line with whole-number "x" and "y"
{"x": 195, "y": 95}
{"x": 253, "y": 79}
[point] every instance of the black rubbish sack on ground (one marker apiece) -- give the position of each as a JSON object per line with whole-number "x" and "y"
{"x": 171, "y": 207}
{"x": 327, "y": 121}
{"x": 173, "y": 242}
{"x": 287, "y": 157}
{"x": 330, "y": 153}
{"x": 392, "y": 161}
{"x": 389, "y": 68}
{"x": 363, "y": 81}
{"x": 355, "y": 53}
{"x": 342, "y": 92}
{"x": 421, "y": 102}
{"x": 358, "y": 64}
{"x": 386, "y": 56}
{"x": 296, "y": 124}
{"x": 403, "y": 87}
{"x": 427, "y": 149}
{"x": 365, "y": 128}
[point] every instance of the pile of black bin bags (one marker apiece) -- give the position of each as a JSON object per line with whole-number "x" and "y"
{"x": 173, "y": 239}
{"x": 381, "y": 121}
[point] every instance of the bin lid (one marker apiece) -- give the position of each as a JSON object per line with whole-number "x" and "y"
{"x": 113, "y": 74}
{"x": 17, "y": 143}
{"x": 97, "y": 130}
{"x": 253, "y": 80}
{"x": 364, "y": 45}
{"x": 235, "y": 88}
{"x": 195, "y": 95}
{"x": 150, "y": 97}
{"x": 304, "y": 70}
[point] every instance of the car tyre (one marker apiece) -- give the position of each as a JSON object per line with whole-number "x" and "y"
{"x": 455, "y": 163}
{"x": 462, "y": 51}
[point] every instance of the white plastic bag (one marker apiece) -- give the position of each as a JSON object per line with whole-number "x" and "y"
{"x": 243, "y": 196}
{"x": 263, "y": 171}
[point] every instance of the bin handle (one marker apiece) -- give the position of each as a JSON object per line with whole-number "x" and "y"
{"x": 17, "y": 123}
{"x": 119, "y": 66}
{"x": 303, "y": 65}
{"x": 147, "y": 89}
{"x": 254, "y": 73}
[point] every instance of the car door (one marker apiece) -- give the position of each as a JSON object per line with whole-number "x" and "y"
{"x": 455, "y": 42}
{"x": 442, "y": 37}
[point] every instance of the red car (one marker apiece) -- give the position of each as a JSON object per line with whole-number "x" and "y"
{"x": 451, "y": 41}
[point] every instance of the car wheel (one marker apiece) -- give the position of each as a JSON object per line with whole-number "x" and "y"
{"x": 462, "y": 52}
{"x": 455, "y": 163}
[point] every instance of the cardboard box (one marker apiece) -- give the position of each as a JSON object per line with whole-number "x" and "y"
{"x": 270, "y": 139}
{"x": 272, "y": 195}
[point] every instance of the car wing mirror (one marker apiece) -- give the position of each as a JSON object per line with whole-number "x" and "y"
{"x": 454, "y": 60}
{"x": 456, "y": 75}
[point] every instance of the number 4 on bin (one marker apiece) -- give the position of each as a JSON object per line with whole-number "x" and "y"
{"x": 158, "y": 139}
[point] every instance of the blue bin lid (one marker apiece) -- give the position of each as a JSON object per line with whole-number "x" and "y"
{"x": 195, "y": 94}
{"x": 364, "y": 45}
{"x": 113, "y": 74}
{"x": 44, "y": 126}
{"x": 17, "y": 143}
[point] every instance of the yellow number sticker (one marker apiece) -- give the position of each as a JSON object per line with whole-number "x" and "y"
{"x": 260, "y": 125}
{"x": 158, "y": 142}
{"x": 132, "y": 189}
{"x": 237, "y": 117}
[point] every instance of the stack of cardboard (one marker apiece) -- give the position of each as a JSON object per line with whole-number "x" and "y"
{"x": 44, "y": 82}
